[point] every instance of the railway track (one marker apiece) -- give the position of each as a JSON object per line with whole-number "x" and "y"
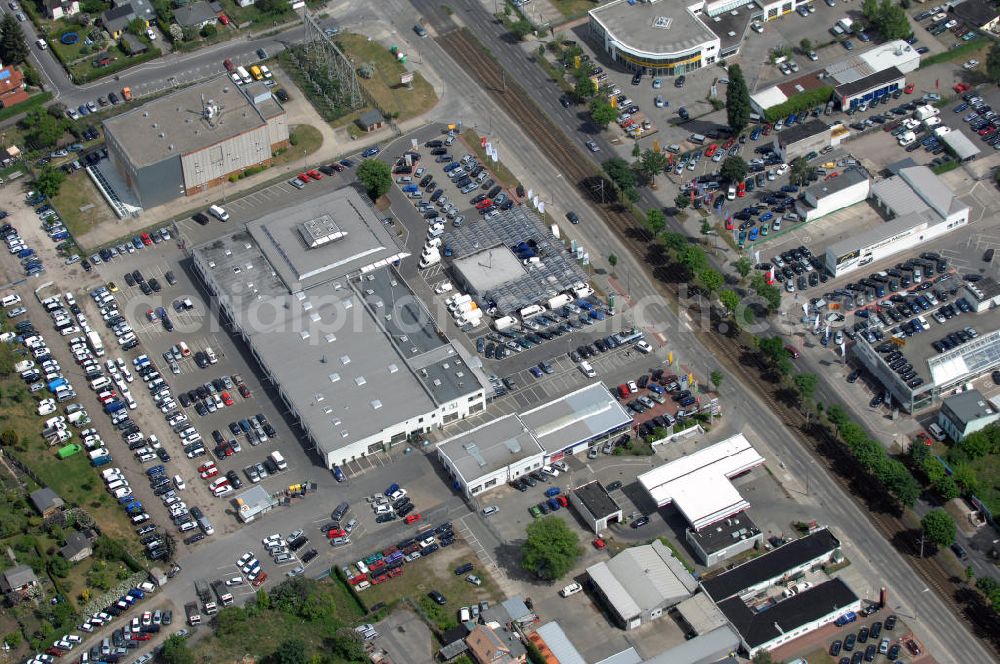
{"x": 466, "y": 50}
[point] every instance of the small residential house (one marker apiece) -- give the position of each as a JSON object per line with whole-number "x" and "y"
{"x": 370, "y": 121}
{"x": 18, "y": 582}
{"x": 77, "y": 547}
{"x": 117, "y": 19}
{"x": 56, "y": 9}
{"x": 12, "y": 85}
{"x": 965, "y": 413}
{"x": 980, "y": 14}
{"x": 195, "y": 15}
{"x": 133, "y": 45}
{"x": 46, "y": 501}
{"x": 495, "y": 646}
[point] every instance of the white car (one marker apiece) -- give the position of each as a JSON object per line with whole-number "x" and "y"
{"x": 587, "y": 369}
{"x": 443, "y": 287}
{"x": 571, "y": 589}
{"x": 971, "y": 64}
{"x": 151, "y": 33}
{"x": 644, "y": 347}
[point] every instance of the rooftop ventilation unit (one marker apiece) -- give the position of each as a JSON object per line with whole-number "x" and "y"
{"x": 662, "y": 22}
{"x": 321, "y": 230}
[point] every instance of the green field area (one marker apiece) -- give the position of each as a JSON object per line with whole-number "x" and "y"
{"x": 384, "y": 87}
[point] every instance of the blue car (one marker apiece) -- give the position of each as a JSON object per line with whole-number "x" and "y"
{"x": 554, "y": 504}
{"x": 371, "y": 152}
{"x": 864, "y": 37}
{"x": 552, "y": 491}
{"x": 767, "y": 216}
{"x": 536, "y": 372}
{"x": 754, "y": 233}
{"x": 961, "y": 107}
{"x": 756, "y": 134}
{"x": 82, "y": 108}
{"x": 338, "y": 474}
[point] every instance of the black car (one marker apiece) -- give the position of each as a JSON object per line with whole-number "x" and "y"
{"x": 573, "y": 217}
{"x": 437, "y": 597}
{"x": 565, "y": 101}
{"x": 197, "y": 537}
{"x": 680, "y": 81}
{"x": 155, "y": 285}
{"x": 200, "y": 217}
{"x": 129, "y": 280}
{"x": 640, "y": 522}
{"x": 169, "y": 276}
{"x": 282, "y": 95}
{"x": 613, "y": 486}
{"x": 308, "y": 556}
{"x": 863, "y": 635}
{"x": 835, "y": 648}
{"x": 234, "y": 479}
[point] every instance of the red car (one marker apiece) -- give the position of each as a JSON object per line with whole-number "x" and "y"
{"x": 793, "y": 352}
{"x": 412, "y": 518}
{"x": 303, "y": 178}
{"x": 244, "y": 391}
{"x": 209, "y": 473}
{"x": 335, "y": 532}
{"x": 711, "y": 149}
{"x": 314, "y": 174}
{"x": 909, "y": 88}
{"x": 961, "y": 87}
{"x": 223, "y": 19}
{"x": 358, "y": 578}
{"x": 563, "y": 500}
{"x": 146, "y": 240}
{"x": 226, "y": 399}
{"x": 338, "y": 167}
{"x": 140, "y": 637}
{"x": 483, "y": 204}
{"x": 767, "y": 129}
{"x": 599, "y": 543}
{"x": 259, "y": 581}
{"x": 375, "y": 566}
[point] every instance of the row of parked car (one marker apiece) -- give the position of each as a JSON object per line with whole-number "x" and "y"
{"x": 31, "y": 262}
{"x": 380, "y": 566}
{"x": 137, "y": 243}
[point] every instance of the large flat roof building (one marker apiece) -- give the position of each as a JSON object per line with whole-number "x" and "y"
{"x": 194, "y": 138}
{"x": 513, "y": 445}
{"x": 655, "y": 37}
{"x": 920, "y": 207}
{"x": 354, "y": 354}
{"x": 698, "y": 484}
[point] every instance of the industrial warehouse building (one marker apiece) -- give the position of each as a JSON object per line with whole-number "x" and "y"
{"x": 756, "y": 605}
{"x": 920, "y": 206}
{"x": 958, "y": 143}
{"x": 508, "y": 447}
{"x": 875, "y": 73}
{"x": 698, "y": 486}
{"x": 800, "y": 140}
{"x": 826, "y": 196}
{"x": 354, "y": 354}
{"x": 194, "y": 138}
{"x": 639, "y": 584}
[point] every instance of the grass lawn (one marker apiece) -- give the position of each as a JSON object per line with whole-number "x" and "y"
{"x": 502, "y": 174}
{"x": 79, "y": 192}
{"x": 384, "y": 87}
{"x": 574, "y": 8}
{"x": 435, "y": 573}
{"x": 251, "y": 14}
{"x": 305, "y": 140}
{"x": 974, "y": 48}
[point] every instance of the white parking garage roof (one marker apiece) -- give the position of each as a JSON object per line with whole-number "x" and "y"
{"x": 698, "y": 484}
{"x": 652, "y": 28}
{"x": 576, "y": 417}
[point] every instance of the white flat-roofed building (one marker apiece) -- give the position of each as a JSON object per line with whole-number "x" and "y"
{"x": 960, "y": 144}
{"x": 491, "y": 455}
{"x": 658, "y": 38}
{"x": 828, "y": 196}
{"x": 698, "y": 484}
{"x": 516, "y": 444}
{"x": 921, "y": 208}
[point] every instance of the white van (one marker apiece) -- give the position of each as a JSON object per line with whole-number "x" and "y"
{"x": 10, "y": 300}
{"x": 279, "y": 460}
{"x": 100, "y": 383}
{"x": 587, "y": 369}
{"x": 218, "y": 212}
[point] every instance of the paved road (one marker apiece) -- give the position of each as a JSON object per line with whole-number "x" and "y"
{"x": 945, "y": 634}
{"x": 175, "y": 69}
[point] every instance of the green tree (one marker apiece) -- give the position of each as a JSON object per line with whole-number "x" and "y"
{"x": 682, "y": 201}
{"x": 762, "y": 657}
{"x": 209, "y": 31}
{"x": 620, "y": 173}
{"x": 584, "y": 88}
{"x": 770, "y": 294}
{"x": 734, "y": 169}
{"x": 520, "y": 29}
{"x": 612, "y": 261}
{"x": 602, "y": 113}
{"x": 176, "y": 651}
{"x": 993, "y": 67}
{"x": 656, "y": 221}
{"x": 893, "y": 21}
{"x": 13, "y": 639}
{"x": 730, "y": 300}
{"x": 137, "y": 27}
{"x": 869, "y": 9}
{"x": 13, "y": 48}
{"x": 737, "y": 100}
{"x": 376, "y": 176}
{"x": 651, "y": 164}
{"x": 49, "y": 180}
{"x": 800, "y": 171}
{"x": 711, "y": 280}
{"x": 42, "y": 129}
{"x": 743, "y": 266}
{"x": 270, "y": 6}
{"x": 551, "y": 549}
{"x": 347, "y": 645}
{"x": 947, "y": 487}
{"x": 806, "y": 383}
{"x": 716, "y": 377}
{"x": 939, "y": 528}
{"x": 292, "y": 651}
{"x": 806, "y": 45}
{"x": 773, "y": 350}
{"x": 970, "y": 574}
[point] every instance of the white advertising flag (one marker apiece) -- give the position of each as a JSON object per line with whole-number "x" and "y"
{"x": 541, "y": 207}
